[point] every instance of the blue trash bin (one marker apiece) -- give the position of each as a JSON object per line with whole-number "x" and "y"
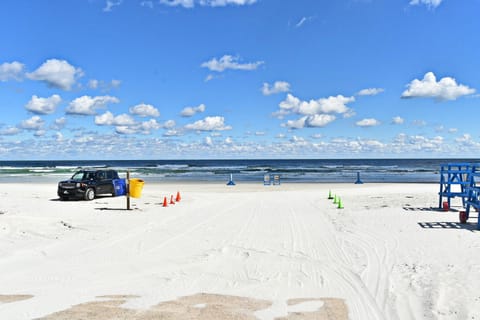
{"x": 120, "y": 187}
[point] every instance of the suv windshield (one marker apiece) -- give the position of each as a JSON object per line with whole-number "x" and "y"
{"x": 79, "y": 176}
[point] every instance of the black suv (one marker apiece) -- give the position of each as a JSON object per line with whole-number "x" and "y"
{"x": 87, "y": 184}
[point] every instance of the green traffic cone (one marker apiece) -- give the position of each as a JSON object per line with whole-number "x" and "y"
{"x": 335, "y": 200}
{"x": 330, "y": 195}
{"x": 340, "y": 205}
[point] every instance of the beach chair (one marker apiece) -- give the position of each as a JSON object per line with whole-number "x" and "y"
{"x": 266, "y": 180}
{"x": 276, "y": 180}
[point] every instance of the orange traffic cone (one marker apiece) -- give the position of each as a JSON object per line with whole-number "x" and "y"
{"x": 178, "y": 197}
{"x": 165, "y": 204}
{"x": 171, "y": 200}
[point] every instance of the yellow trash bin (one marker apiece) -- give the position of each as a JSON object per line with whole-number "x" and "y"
{"x": 135, "y": 187}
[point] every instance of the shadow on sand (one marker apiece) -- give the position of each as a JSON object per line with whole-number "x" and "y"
{"x": 430, "y": 209}
{"x": 115, "y": 209}
{"x": 448, "y": 225}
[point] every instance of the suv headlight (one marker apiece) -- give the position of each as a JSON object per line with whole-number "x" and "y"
{"x": 78, "y": 185}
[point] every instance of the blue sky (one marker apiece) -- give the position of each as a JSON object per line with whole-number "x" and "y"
{"x": 174, "y": 79}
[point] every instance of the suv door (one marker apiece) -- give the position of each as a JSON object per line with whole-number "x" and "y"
{"x": 103, "y": 184}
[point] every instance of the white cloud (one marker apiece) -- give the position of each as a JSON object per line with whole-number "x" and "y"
{"x": 298, "y": 141}
{"x": 93, "y": 84}
{"x": 58, "y": 136}
{"x": 84, "y": 139}
{"x": 319, "y": 120}
{"x": 331, "y": 104}
{"x": 370, "y": 92}
{"x": 397, "y": 120}
{"x": 59, "y": 123}
{"x": 445, "y": 89}
{"x": 143, "y": 127}
{"x": 421, "y": 143}
{"x": 302, "y": 21}
{"x": 148, "y": 4}
{"x": 108, "y": 119}
{"x": 370, "y": 122}
{"x": 207, "y": 3}
{"x": 9, "y": 131}
{"x": 209, "y": 124}
{"x": 208, "y": 141}
{"x": 125, "y": 124}
{"x": 125, "y": 130}
{"x": 169, "y": 124}
{"x": 105, "y": 119}
{"x": 280, "y": 114}
{"x": 57, "y": 74}
{"x": 13, "y": 70}
{"x": 87, "y": 105}
{"x": 147, "y": 126}
{"x": 295, "y": 124}
{"x": 102, "y": 85}
{"x": 356, "y": 146}
{"x": 229, "y": 62}
{"x": 419, "y": 123}
{"x": 172, "y": 133}
{"x": 34, "y": 123}
{"x": 428, "y": 3}
{"x": 114, "y": 83}
{"x": 123, "y": 120}
{"x": 277, "y": 87}
{"x": 223, "y": 3}
{"x": 43, "y": 105}
{"x": 191, "y": 111}
{"x": 316, "y": 113}
{"x": 174, "y": 3}
{"x": 39, "y": 133}
{"x": 312, "y": 121}
{"x": 145, "y": 110}
{"x": 110, "y": 4}
{"x": 466, "y": 140}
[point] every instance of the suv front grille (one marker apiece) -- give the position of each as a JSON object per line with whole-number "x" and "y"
{"x": 67, "y": 185}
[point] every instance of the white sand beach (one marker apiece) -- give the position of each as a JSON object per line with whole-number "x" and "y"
{"x": 242, "y": 252}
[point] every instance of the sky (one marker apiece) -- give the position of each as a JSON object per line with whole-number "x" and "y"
{"x": 221, "y": 79}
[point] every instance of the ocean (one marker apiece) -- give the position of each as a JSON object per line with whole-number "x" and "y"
{"x": 299, "y": 170}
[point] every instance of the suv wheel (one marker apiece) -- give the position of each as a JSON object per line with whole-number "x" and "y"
{"x": 89, "y": 194}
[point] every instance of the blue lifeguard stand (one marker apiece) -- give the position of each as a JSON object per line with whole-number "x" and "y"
{"x": 458, "y": 176}
{"x": 473, "y": 195}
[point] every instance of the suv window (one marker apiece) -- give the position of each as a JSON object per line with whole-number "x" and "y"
{"x": 78, "y": 176}
{"x": 101, "y": 175}
{"x": 110, "y": 175}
